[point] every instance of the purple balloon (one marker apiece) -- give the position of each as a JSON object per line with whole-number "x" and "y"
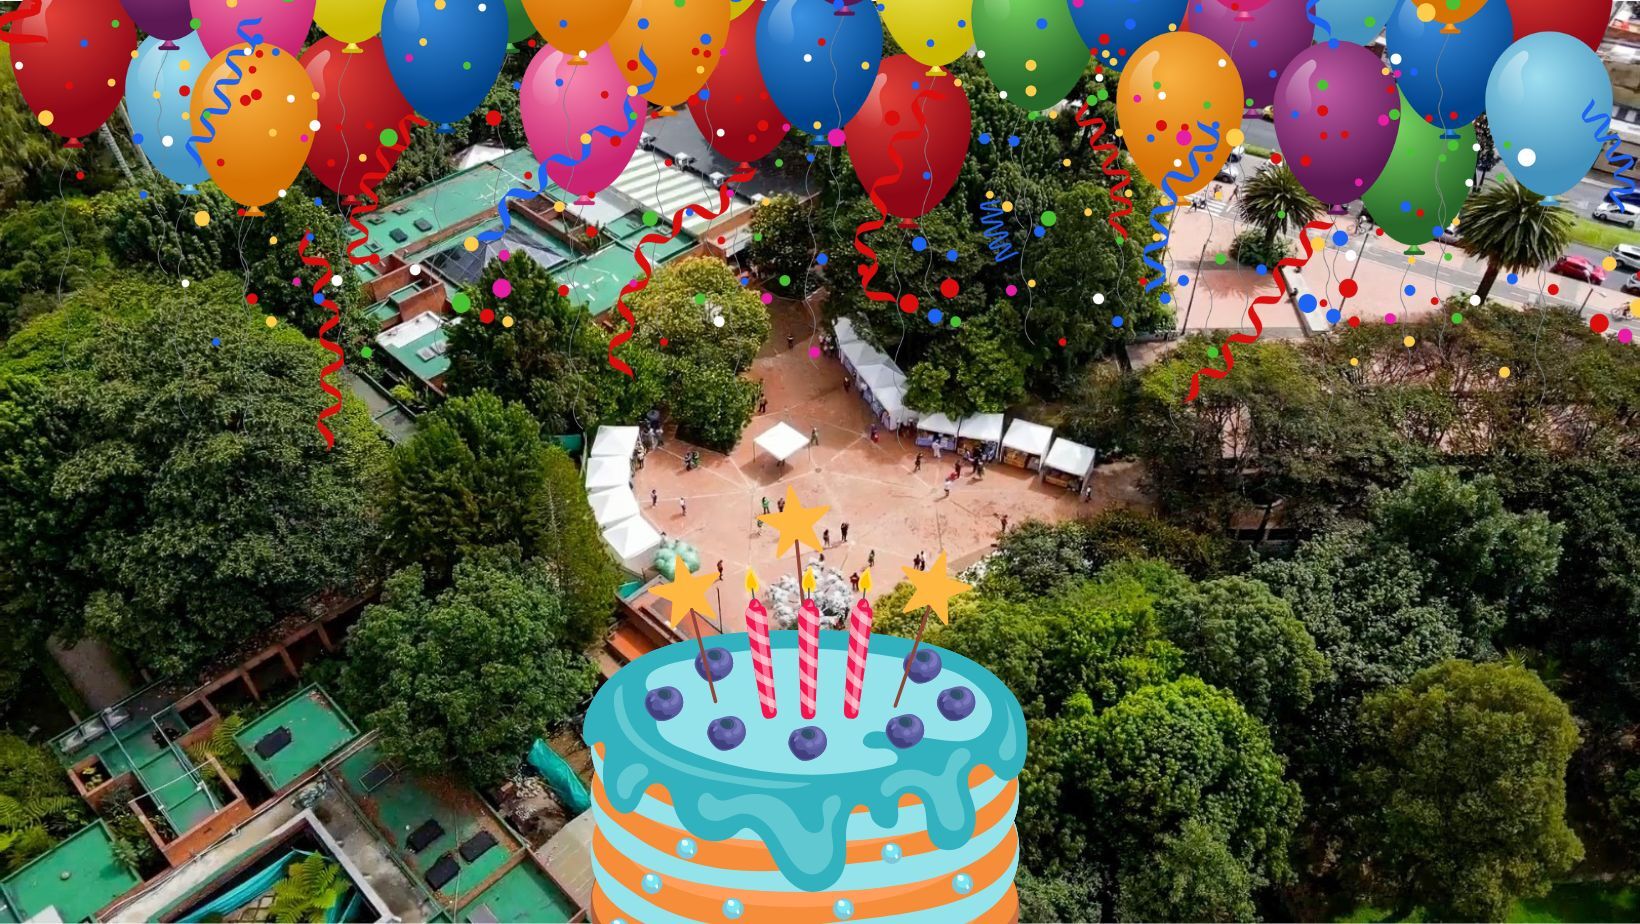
{"x": 166, "y": 20}
{"x": 1332, "y": 113}
{"x": 1261, "y": 47}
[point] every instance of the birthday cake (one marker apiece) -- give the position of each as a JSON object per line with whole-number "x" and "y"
{"x": 710, "y": 812}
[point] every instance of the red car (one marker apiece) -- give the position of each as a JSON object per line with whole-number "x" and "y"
{"x": 1579, "y": 268}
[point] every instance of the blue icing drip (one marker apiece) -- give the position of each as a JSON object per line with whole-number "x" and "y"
{"x": 802, "y": 816}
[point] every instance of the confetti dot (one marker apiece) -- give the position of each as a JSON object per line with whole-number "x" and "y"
{"x": 1408, "y": 341}
{"x": 47, "y": 117}
{"x": 202, "y": 218}
{"x": 1503, "y": 372}
{"x": 949, "y": 288}
{"x": 1599, "y": 323}
{"x": 1527, "y": 157}
{"x": 1049, "y": 219}
{"x": 785, "y": 280}
{"x": 486, "y": 315}
{"x": 502, "y": 288}
{"x": 271, "y": 321}
{"x": 471, "y": 243}
{"x": 389, "y": 137}
{"x": 461, "y": 303}
{"x": 1347, "y": 288}
{"x": 908, "y": 303}
{"x": 1608, "y": 264}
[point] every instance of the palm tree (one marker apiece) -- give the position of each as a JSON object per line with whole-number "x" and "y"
{"x": 1275, "y": 201}
{"x": 308, "y": 891}
{"x": 1513, "y": 229}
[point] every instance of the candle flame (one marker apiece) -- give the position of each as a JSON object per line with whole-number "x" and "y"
{"x": 865, "y": 581}
{"x": 751, "y": 580}
{"x": 808, "y": 579}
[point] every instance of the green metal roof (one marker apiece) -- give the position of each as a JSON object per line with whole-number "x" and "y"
{"x": 406, "y": 340}
{"x": 77, "y": 877}
{"x": 523, "y": 894}
{"x": 317, "y": 726}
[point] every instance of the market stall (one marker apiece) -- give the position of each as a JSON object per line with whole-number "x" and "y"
{"x": 980, "y": 435}
{"x": 1025, "y": 444}
{"x": 937, "y": 429}
{"x": 1068, "y": 464}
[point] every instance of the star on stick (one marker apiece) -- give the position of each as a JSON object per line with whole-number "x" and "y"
{"x": 687, "y": 594}
{"x": 931, "y": 590}
{"x": 795, "y": 524}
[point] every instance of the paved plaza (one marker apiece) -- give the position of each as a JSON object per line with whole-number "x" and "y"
{"x": 871, "y": 486}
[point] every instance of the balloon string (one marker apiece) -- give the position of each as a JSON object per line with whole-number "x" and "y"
{"x": 330, "y": 324}
{"x": 1312, "y": 13}
{"x": 367, "y": 188}
{"x": 524, "y": 194}
{"x": 1317, "y": 226}
{"x": 216, "y": 88}
{"x": 747, "y": 174}
{"x": 1171, "y": 204}
{"x": 1611, "y": 146}
{"x": 27, "y": 9}
{"x": 868, "y": 271}
{"x": 1124, "y": 206}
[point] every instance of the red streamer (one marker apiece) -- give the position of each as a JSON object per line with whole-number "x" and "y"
{"x": 1317, "y": 226}
{"x": 747, "y": 172}
{"x": 1124, "y": 206}
{"x": 27, "y": 9}
{"x": 367, "y": 188}
{"x": 868, "y": 271}
{"x": 325, "y": 328}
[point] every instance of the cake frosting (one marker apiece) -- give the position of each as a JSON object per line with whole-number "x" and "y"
{"x": 750, "y": 821}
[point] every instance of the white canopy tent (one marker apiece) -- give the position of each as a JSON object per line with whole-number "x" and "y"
{"x": 938, "y": 423}
{"x": 615, "y": 441}
{"x": 892, "y": 398}
{"x": 608, "y": 472}
{"x": 613, "y": 505}
{"x": 845, "y": 331}
{"x": 859, "y": 353}
{"x": 882, "y": 374}
{"x": 1070, "y": 458}
{"x": 632, "y": 538}
{"x": 984, "y": 428}
{"x": 781, "y": 441}
{"x": 1026, "y": 443}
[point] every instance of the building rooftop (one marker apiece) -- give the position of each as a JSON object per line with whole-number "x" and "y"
{"x": 77, "y": 878}
{"x": 522, "y": 894}
{"x": 419, "y": 344}
{"x": 311, "y": 727}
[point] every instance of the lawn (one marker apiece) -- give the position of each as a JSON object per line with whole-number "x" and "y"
{"x": 1567, "y": 902}
{"x": 1601, "y": 235}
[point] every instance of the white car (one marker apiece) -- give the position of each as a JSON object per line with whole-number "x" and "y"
{"x": 1627, "y": 256}
{"x": 1625, "y": 214}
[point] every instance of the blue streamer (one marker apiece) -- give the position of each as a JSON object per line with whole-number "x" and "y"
{"x": 1311, "y": 12}
{"x": 1611, "y": 148}
{"x": 996, "y": 233}
{"x": 523, "y": 194}
{"x": 1173, "y": 203}
{"x": 227, "y": 105}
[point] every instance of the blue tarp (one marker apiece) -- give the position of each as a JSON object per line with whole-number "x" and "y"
{"x": 563, "y": 782}
{"x": 243, "y": 894}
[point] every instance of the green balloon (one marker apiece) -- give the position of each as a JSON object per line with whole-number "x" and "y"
{"x": 519, "y": 26}
{"x": 1425, "y": 173}
{"x": 1032, "y": 50}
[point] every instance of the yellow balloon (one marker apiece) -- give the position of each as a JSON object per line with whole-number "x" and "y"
{"x": 737, "y": 7}
{"x": 1171, "y": 87}
{"x": 350, "y": 21}
{"x": 934, "y": 32}
{"x": 1451, "y": 12}
{"x": 576, "y": 26}
{"x": 259, "y": 145}
{"x": 683, "y": 40}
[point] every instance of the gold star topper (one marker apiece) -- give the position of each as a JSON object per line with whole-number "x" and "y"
{"x": 934, "y": 589}
{"x": 808, "y": 580}
{"x": 686, "y": 591}
{"x": 751, "y": 581}
{"x": 795, "y": 523}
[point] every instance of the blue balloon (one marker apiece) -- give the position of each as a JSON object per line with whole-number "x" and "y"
{"x": 159, "y": 111}
{"x": 1354, "y": 21}
{"x": 1127, "y": 23}
{"x": 1443, "y": 74}
{"x": 819, "y": 88}
{"x": 1547, "y": 97}
{"x": 450, "y": 75}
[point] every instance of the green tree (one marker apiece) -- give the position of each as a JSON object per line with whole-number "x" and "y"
{"x": 1276, "y": 202}
{"x": 711, "y": 404}
{"x": 1238, "y": 636}
{"x": 167, "y": 489}
{"x": 311, "y": 887}
{"x": 682, "y": 306}
{"x": 1512, "y": 228}
{"x": 1463, "y": 794}
{"x": 467, "y": 678}
{"x": 980, "y": 371}
{"x": 37, "y": 808}
{"x": 1193, "y": 876}
{"x": 783, "y": 243}
{"x": 477, "y": 475}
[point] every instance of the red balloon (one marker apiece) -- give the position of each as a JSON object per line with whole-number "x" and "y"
{"x": 357, "y": 101}
{"x": 933, "y": 154}
{"x": 733, "y": 110}
{"x": 1584, "y": 20}
{"x": 72, "y": 71}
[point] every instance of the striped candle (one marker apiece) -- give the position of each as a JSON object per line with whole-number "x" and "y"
{"x": 757, "y": 630}
{"x": 808, "y": 658}
{"x": 859, "y": 643}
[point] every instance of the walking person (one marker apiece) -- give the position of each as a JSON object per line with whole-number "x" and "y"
{"x": 854, "y": 581}
{"x": 917, "y": 465}
{"x": 654, "y": 497}
{"x": 763, "y": 405}
{"x": 874, "y": 433}
{"x": 814, "y": 436}
{"x": 845, "y": 530}
{"x": 683, "y": 505}
{"x": 1005, "y": 524}
{"x": 765, "y": 506}
{"x": 948, "y": 486}
{"x": 936, "y": 450}
{"x": 782, "y": 505}
{"x": 790, "y": 341}
{"x": 871, "y": 558}
{"x": 825, "y": 538}
{"x": 720, "y": 569}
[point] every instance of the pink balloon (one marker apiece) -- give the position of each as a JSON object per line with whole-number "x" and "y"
{"x": 562, "y": 103}
{"x": 284, "y": 22}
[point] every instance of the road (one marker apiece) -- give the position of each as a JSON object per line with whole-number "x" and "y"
{"x": 1580, "y": 200}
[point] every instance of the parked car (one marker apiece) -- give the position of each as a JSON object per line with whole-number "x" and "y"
{"x": 1450, "y": 235}
{"x": 1624, "y": 214}
{"x": 1236, "y": 154}
{"x": 1579, "y": 268}
{"x": 1627, "y": 256}
{"x": 1229, "y": 173}
{"x": 1631, "y": 285}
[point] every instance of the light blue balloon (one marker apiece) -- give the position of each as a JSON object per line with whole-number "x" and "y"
{"x": 158, "y": 125}
{"x": 1354, "y": 21}
{"x": 1444, "y": 74}
{"x": 1546, "y": 98}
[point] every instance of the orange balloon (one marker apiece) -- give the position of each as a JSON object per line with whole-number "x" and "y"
{"x": 263, "y": 139}
{"x": 683, "y": 38}
{"x": 1454, "y": 11}
{"x": 1175, "y": 88}
{"x": 576, "y": 27}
